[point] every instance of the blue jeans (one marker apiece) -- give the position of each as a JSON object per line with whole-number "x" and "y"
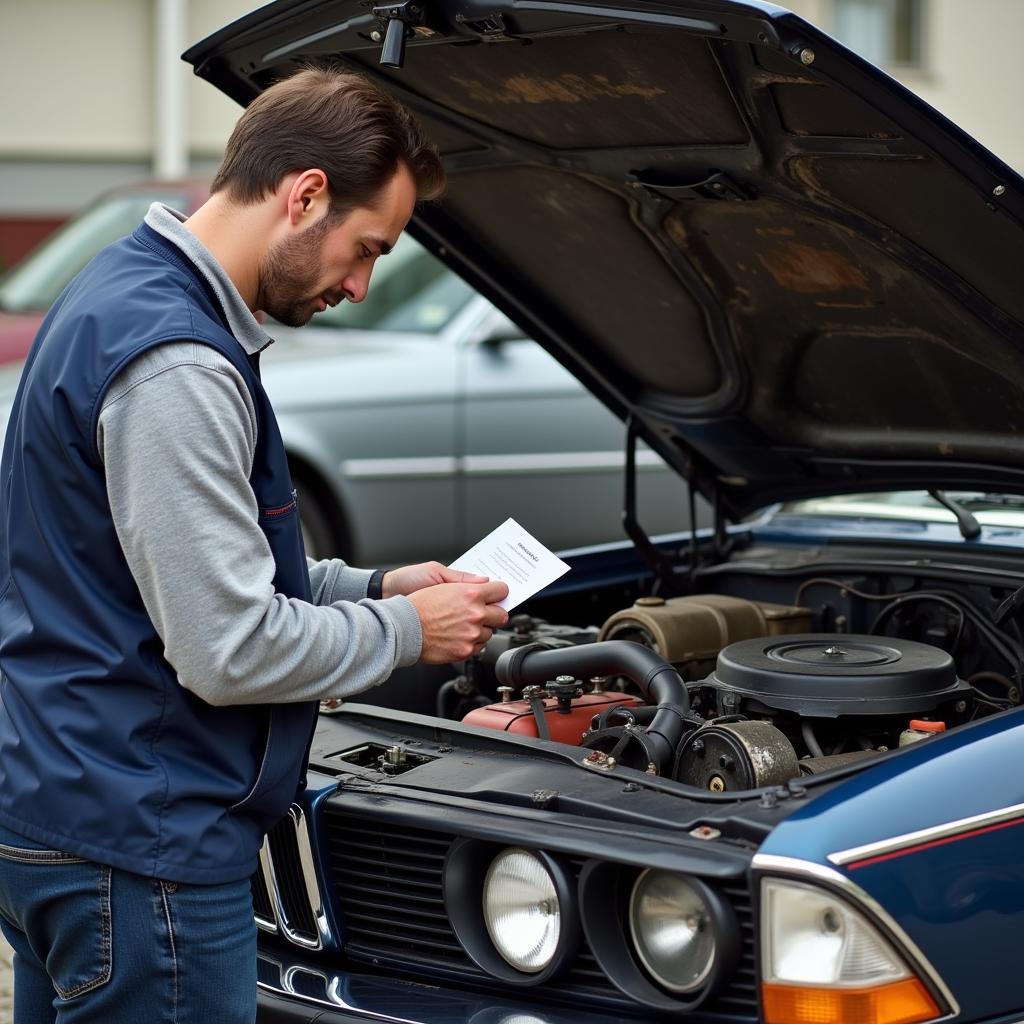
{"x": 97, "y": 945}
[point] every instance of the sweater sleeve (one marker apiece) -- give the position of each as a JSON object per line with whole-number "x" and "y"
{"x": 177, "y": 434}
{"x": 333, "y": 580}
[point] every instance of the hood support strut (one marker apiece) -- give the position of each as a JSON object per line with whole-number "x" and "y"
{"x": 657, "y": 562}
{"x": 662, "y": 566}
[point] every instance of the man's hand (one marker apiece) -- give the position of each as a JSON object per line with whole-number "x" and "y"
{"x": 411, "y": 578}
{"x": 457, "y": 619}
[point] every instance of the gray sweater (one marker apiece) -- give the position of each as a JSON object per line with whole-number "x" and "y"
{"x": 177, "y": 434}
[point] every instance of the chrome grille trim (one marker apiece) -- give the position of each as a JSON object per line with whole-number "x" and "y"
{"x": 265, "y": 873}
{"x": 285, "y": 923}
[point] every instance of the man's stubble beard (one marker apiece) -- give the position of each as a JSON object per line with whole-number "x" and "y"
{"x": 289, "y": 273}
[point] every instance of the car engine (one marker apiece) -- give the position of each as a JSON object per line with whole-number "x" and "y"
{"x": 721, "y": 692}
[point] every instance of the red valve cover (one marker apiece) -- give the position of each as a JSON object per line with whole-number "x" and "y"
{"x": 517, "y": 715}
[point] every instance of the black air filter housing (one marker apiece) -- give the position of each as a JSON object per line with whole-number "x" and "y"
{"x": 822, "y": 675}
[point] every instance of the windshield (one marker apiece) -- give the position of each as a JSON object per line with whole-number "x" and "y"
{"x": 35, "y": 282}
{"x": 988, "y": 508}
{"x": 410, "y": 291}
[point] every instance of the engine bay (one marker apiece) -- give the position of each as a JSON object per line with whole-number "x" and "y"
{"x": 726, "y": 693}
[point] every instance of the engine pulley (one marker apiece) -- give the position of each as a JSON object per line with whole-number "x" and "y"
{"x": 735, "y": 756}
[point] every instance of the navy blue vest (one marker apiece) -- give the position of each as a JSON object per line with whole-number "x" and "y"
{"x": 102, "y": 752}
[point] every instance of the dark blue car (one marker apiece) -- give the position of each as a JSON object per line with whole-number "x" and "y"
{"x": 770, "y": 772}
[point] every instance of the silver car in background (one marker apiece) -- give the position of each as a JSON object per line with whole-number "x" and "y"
{"x": 417, "y": 420}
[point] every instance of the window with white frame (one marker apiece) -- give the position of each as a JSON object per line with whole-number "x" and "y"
{"x": 885, "y": 32}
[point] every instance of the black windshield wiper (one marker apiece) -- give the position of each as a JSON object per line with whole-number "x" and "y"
{"x": 970, "y": 528}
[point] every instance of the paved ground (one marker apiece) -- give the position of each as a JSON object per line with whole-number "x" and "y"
{"x": 6, "y": 986}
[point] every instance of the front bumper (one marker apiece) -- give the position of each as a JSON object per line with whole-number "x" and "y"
{"x": 298, "y": 993}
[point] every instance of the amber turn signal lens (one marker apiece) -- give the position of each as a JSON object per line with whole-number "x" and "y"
{"x": 899, "y": 1002}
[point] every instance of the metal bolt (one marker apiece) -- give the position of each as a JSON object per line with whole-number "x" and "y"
{"x": 961, "y": 706}
{"x": 717, "y": 784}
{"x": 599, "y": 759}
{"x": 999, "y": 190}
{"x": 807, "y": 56}
{"x": 705, "y": 832}
{"x": 395, "y": 755}
{"x": 376, "y": 36}
{"x": 506, "y": 694}
{"x": 726, "y": 762}
{"x": 565, "y": 680}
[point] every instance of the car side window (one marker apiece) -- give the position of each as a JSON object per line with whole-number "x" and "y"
{"x": 410, "y": 290}
{"x": 37, "y": 280}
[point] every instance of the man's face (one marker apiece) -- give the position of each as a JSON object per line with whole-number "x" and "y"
{"x": 328, "y": 262}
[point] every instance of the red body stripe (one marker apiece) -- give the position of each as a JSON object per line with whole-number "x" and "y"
{"x": 934, "y": 842}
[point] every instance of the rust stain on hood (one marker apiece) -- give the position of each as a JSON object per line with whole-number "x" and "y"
{"x": 808, "y": 270}
{"x": 561, "y": 89}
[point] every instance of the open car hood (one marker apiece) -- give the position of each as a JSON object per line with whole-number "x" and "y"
{"x": 794, "y": 275}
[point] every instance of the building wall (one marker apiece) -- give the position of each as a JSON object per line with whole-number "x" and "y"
{"x": 970, "y": 67}
{"x": 78, "y": 114}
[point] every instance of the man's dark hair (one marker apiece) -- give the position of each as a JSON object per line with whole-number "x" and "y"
{"x": 337, "y": 121}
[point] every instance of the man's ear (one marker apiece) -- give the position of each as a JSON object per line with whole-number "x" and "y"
{"x": 308, "y": 198}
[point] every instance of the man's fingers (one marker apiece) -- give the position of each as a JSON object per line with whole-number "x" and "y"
{"x": 494, "y": 591}
{"x": 458, "y": 618}
{"x": 494, "y": 617}
{"x": 458, "y": 576}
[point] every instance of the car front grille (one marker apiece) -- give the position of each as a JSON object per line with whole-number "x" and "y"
{"x": 291, "y": 885}
{"x": 388, "y": 896}
{"x": 262, "y": 907}
{"x": 280, "y": 893}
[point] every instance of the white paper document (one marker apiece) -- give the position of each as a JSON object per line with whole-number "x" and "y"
{"x": 511, "y": 554}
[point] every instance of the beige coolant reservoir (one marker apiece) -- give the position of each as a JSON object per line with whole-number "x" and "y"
{"x": 696, "y": 628}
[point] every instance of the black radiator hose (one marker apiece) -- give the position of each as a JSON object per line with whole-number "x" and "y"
{"x": 660, "y": 683}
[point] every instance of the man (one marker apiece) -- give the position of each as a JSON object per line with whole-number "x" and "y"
{"x": 163, "y": 641}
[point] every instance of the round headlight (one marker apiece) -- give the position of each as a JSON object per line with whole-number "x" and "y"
{"x": 673, "y": 930}
{"x": 521, "y": 910}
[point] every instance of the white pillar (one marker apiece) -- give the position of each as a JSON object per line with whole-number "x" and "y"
{"x": 170, "y": 137}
